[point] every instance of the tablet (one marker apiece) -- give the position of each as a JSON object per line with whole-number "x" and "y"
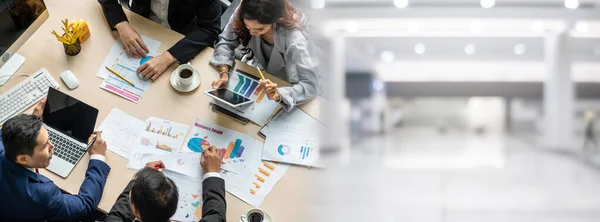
{"x": 229, "y": 97}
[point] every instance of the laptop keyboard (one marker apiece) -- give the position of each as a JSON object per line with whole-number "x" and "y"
{"x": 65, "y": 148}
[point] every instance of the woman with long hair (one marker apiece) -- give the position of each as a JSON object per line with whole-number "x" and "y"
{"x": 272, "y": 32}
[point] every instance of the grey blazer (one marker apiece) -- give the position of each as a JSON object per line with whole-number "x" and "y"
{"x": 290, "y": 60}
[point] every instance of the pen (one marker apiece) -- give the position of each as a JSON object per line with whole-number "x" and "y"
{"x": 120, "y": 76}
{"x": 260, "y": 72}
{"x": 93, "y": 140}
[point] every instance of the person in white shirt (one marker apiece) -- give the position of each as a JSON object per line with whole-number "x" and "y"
{"x": 27, "y": 195}
{"x": 153, "y": 197}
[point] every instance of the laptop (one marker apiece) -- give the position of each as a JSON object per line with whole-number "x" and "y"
{"x": 70, "y": 123}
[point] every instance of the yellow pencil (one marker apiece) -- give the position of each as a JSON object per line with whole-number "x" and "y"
{"x": 260, "y": 72}
{"x": 120, "y": 76}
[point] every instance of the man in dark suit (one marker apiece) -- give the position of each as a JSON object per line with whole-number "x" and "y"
{"x": 152, "y": 197}
{"x": 26, "y": 195}
{"x": 198, "y": 20}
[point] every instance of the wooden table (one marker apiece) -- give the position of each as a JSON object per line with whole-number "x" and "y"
{"x": 286, "y": 201}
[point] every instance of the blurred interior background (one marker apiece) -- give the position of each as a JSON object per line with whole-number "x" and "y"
{"x": 459, "y": 110}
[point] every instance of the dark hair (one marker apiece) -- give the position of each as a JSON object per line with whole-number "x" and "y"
{"x": 280, "y": 12}
{"x": 19, "y": 135}
{"x": 154, "y": 195}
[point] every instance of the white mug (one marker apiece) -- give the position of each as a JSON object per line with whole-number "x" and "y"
{"x": 246, "y": 217}
{"x": 188, "y": 80}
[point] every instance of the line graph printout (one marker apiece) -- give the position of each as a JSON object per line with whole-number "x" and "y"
{"x": 121, "y": 132}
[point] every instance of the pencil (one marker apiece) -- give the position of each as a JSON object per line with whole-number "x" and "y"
{"x": 120, "y": 76}
{"x": 260, "y": 72}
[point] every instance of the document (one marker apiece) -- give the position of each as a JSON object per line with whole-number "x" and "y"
{"x": 121, "y": 132}
{"x": 293, "y": 137}
{"x": 120, "y": 62}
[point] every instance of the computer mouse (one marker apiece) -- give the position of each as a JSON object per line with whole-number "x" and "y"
{"x": 70, "y": 79}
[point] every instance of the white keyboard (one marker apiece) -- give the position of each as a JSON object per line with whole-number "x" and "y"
{"x": 27, "y": 93}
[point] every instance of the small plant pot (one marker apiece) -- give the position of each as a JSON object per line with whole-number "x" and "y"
{"x": 72, "y": 49}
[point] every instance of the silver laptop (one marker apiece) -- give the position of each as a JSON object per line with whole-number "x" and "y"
{"x": 70, "y": 123}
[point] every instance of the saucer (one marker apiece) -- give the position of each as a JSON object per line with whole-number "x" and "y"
{"x": 183, "y": 88}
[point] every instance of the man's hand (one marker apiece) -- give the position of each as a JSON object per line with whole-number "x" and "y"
{"x": 156, "y": 66}
{"x": 38, "y": 110}
{"x": 157, "y": 165}
{"x": 211, "y": 160}
{"x": 132, "y": 41}
{"x": 271, "y": 88}
{"x": 99, "y": 146}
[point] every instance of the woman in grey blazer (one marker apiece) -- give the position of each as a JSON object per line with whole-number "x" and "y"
{"x": 272, "y": 32}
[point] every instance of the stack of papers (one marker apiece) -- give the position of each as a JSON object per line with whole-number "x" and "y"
{"x": 293, "y": 137}
{"x": 127, "y": 135}
{"x": 119, "y": 61}
{"x": 246, "y": 175}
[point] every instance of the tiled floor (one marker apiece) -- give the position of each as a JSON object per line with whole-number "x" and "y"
{"x": 420, "y": 175}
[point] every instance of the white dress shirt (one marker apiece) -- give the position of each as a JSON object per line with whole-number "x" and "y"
{"x": 160, "y": 12}
{"x": 211, "y": 174}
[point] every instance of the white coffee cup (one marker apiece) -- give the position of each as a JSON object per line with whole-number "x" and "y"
{"x": 185, "y": 74}
{"x": 255, "y": 214}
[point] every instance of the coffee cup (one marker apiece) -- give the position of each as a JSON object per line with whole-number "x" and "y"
{"x": 255, "y": 215}
{"x": 185, "y": 74}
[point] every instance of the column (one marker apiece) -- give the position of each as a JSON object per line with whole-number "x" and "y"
{"x": 558, "y": 93}
{"x": 336, "y": 108}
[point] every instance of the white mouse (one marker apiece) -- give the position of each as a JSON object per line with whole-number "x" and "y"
{"x": 70, "y": 79}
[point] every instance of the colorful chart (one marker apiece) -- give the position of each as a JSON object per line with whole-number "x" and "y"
{"x": 247, "y": 86}
{"x": 283, "y": 149}
{"x": 145, "y": 59}
{"x": 305, "y": 152}
{"x": 161, "y": 131}
{"x": 262, "y": 174}
{"x": 231, "y": 154}
{"x": 164, "y": 147}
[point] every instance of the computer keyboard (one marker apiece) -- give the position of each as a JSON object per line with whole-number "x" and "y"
{"x": 65, "y": 148}
{"x": 27, "y": 93}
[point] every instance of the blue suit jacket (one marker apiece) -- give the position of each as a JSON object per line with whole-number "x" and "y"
{"x": 28, "y": 196}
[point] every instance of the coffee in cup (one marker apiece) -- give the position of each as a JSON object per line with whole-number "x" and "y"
{"x": 185, "y": 72}
{"x": 255, "y": 217}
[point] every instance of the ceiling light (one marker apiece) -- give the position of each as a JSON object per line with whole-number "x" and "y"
{"x": 388, "y": 57}
{"x": 582, "y": 27}
{"x": 487, "y": 3}
{"x": 351, "y": 27}
{"x": 572, "y": 4}
{"x": 537, "y": 26}
{"x": 401, "y": 3}
{"x": 520, "y": 49}
{"x": 470, "y": 49}
{"x": 317, "y": 3}
{"x": 420, "y": 49}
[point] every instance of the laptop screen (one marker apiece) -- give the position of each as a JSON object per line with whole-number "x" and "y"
{"x": 69, "y": 115}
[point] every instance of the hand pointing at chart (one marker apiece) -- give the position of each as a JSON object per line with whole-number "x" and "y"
{"x": 271, "y": 89}
{"x": 156, "y": 66}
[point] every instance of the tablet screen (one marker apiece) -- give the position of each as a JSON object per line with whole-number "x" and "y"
{"x": 229, "y": 96}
